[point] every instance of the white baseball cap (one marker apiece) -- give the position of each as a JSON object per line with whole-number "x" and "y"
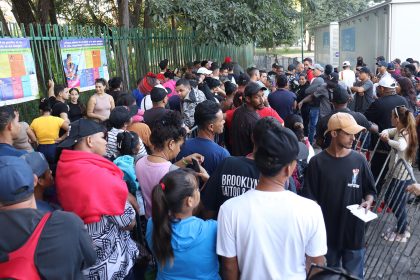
{"x": 346, "y": 63}
{"x": 387, "y": 81}
{"x": 204, "y": 71}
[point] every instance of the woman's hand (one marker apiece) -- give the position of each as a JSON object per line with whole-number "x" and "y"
{"x": 195, "y": 156}
{"x": 384, "y": 136}
{"x": 203, "y": 174}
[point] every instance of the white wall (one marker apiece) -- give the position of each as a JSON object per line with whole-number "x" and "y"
{"x": 405, "y": 31}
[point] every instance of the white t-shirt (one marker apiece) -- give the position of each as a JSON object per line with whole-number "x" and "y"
{"x": 146, "y": 103}
{"x": 270, "y": 233}
{"x": 348, "y": 77}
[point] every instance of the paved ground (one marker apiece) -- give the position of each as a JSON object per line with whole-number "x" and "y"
{"x": 394, "y": 260}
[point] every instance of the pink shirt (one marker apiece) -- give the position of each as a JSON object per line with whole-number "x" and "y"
{"x": 149, "y": 175}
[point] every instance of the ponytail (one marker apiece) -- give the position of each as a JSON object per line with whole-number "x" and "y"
{"x": 410, "y": 125}
{"x": 167, "y": 200}
{"x": 162, "y": 230}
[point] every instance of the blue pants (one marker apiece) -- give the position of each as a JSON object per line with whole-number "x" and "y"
{"x": 313, "y": 120}
{"x": 49, "y": 151}
{"x": 350, "y": 260}
{"x": 396, "y": 198}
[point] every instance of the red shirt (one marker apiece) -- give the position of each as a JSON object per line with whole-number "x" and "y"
{"x": 270, "y": 112}
{"x": 310, "y": 75}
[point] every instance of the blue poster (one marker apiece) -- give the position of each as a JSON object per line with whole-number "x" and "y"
{"x": 348, "y": 40}
{"x": 326, "y": 39}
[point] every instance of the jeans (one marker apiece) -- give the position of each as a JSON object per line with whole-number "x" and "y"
{"x": 350, "y": 260}
{"x": 396, "y": 198}
{"x": 313, "y": 120}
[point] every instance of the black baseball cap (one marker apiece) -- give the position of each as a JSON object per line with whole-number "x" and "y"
{"x": 277, "y": 147}
{"x": 79, "y": 129}
{"x": 380, "y": 58}
{"x": 121, "y": 115}
{"x": 253, "y": 88}
{"x": 364, "y": 69}
{"x": 340, "y": 95}
{"x": 158, "y": 93}
{"x": 382, "y": 63}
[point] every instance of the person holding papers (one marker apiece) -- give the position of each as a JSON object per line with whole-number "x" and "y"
{"x": 336, "y": 178}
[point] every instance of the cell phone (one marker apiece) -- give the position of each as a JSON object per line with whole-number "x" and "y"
{"x": 195, "y": 165}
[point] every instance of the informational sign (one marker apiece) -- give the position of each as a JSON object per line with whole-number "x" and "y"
{"x": 18, "y": 82}
{"x": 84, "y": 61}
{"x": 348, "y": 39}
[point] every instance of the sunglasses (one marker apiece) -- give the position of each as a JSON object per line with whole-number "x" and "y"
{"x": 396, "y": 110}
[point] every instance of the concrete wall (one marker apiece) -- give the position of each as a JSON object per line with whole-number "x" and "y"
{"x": 365, "y": 35}
{"x": 327, "y": 44}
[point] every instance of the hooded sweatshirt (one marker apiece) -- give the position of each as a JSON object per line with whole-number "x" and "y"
{"x": 194, "y": 245}
{"x": 90, "y": 186}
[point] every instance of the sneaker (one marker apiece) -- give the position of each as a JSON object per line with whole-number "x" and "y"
{"x": 407, "y": 234}
{"x": 393, "y": 236}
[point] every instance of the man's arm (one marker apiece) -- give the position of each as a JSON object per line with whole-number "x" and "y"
{"x": 314, "y": 86}
{"x": 320, "y": 260}
{"x": 50, "y": 88}
{"x": 230, "y": 268}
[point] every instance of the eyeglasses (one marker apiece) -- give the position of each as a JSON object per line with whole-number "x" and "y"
{"x": 396, "y": 110}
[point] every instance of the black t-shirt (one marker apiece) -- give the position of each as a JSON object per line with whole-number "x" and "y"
{"x": 380, "y": 112}
{"x": 233, "y": 177}
{"x": 349, "y": 183}
{"x": 58, "y": 108}
{"x": 243, "y": 123}
{"x": 153, "y": 114}
{"x": 322, "y": 125}
{"x": 75, "y": 112}
{"x": 52, "y": 100}
{"x": 64, "y": 248}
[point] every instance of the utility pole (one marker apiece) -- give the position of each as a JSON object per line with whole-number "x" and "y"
{"x": 301, "y": 29}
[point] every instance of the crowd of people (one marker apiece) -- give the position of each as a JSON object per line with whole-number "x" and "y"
{"x": 208, "y": 172}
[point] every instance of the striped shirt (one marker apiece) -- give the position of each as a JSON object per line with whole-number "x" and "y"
{"x": 112, "y": 147}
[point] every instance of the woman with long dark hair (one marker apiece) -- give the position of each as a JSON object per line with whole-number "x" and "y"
{"x": 184, "y": 245}
{"x": 406, "y": 90}
{"x": 77, "y": 109}
{"x": 403, "y": 141}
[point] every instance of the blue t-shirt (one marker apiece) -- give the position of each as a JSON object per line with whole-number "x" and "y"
{"x": 138, "y": 95}
{"x": 282, "y": 101}
{"x": 8, "y": 150}
{"x": 213, "y": 153}
{"x": 194, "y": 245}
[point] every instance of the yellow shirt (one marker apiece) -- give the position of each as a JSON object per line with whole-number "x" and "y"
{"x": 47, "y": 128}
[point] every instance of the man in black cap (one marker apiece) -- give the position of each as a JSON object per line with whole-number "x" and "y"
{"x": 244, "y": 119}
{"x": 381, "y": 70}
{"x": 363, "y": 91}
{"x": 351, "y": 182}
{"x": 340, "y": 101}
{"x": 93, "y": 188}
{"x": 159, "y": 97}
{"x": 54, "y": 236}
{"x": 250, "y": 243}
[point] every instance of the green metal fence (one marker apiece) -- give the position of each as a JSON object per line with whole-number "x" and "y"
{"x": 137, "y": 50}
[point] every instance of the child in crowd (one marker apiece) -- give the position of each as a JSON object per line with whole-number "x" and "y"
{"x": 403, "y": 141}
{"x": 128, "y": 144}
{"x": 184, "y": 245}
{"x": 45, "y": 180}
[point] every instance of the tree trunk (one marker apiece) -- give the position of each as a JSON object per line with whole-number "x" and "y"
{"x": 23, "y": 12}
{"x": 123, "y": 14}
{"x": 147, "y": 20}
{"x": 43, "y": 11}
{"x": 6, "y": 30}
{"x": 135, "y": 19}
{"x": 53, "y": 13}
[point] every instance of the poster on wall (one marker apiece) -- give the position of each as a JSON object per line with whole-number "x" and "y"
{"x": 348, "y": 40}
{"x": 18, "y": 82}
{"x": 84, "y": 60}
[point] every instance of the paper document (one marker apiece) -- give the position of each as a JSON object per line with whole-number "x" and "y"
{"x": 361, "y": 213}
